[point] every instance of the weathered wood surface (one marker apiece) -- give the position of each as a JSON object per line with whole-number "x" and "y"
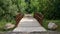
{"x": 28, "y": 24}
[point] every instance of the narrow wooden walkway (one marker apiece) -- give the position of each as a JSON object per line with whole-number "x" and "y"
{"x": 28, "y": 24}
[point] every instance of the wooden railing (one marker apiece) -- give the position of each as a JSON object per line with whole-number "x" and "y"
{"x": 18, "y": 18}
{"x": 38, "y": 17}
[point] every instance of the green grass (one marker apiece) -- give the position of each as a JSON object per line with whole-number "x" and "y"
{"x": 2, "y": 24}
{"x": 45, "y": 23}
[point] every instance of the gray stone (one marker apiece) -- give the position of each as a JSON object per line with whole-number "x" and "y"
{"x": 9, "y": 26}
{"x": 52, "y": 25}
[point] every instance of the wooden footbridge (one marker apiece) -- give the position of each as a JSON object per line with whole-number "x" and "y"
{"x": 29, "y": 23}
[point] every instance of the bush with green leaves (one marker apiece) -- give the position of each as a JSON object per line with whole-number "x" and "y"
{"x": 49, "y": 8}
{"x": 7, "y": 10}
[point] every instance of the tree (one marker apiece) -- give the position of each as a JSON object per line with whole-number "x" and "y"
{"x": 8, "y": 10}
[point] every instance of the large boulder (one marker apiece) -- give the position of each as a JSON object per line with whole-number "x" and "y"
{"x": 9, "y": 26}
{"x": 52, "y": 26}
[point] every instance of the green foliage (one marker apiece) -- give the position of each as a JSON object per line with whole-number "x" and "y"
{"x": 7, "y": 9}
{"x": 49, "y": 8}
{"x": 22, "y": 5}
{"x": 34, "y": 5}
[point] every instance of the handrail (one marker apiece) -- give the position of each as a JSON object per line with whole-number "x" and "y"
{"x": 38, "y": 17}
{"x": 18, "y": 18}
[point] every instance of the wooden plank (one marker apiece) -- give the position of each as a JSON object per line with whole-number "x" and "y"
{"x": 28, "y": 24}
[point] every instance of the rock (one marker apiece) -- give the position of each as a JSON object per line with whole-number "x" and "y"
{"x": 52, "y": 26}
{"x": 9, "y": 26}
{"x": 55, "y": 26}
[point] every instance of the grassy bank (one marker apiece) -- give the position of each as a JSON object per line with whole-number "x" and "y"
{"x": 2, "y": 24}
{"x": 45, "y": 23}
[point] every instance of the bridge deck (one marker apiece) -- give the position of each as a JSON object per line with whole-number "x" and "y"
{"x": 28, "y": 24}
